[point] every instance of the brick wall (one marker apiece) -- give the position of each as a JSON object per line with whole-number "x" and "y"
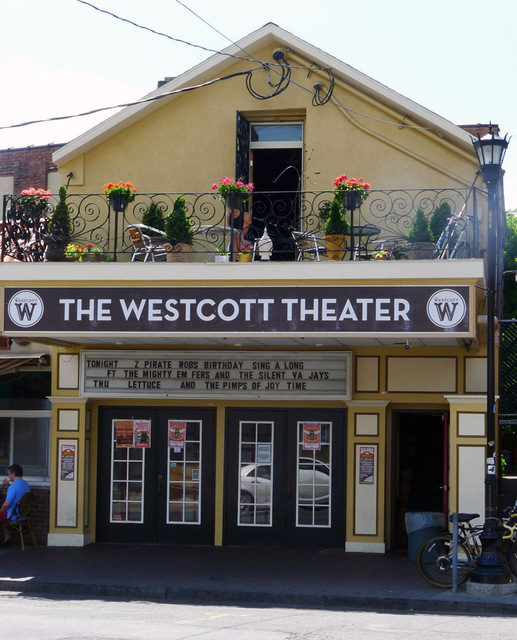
{"x": 40, "y": 514}
{"x": 480, "y": 129}
{"x": 28, "y": 166}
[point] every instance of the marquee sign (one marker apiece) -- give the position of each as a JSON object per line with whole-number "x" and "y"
{"x": 238, "y": 310}
{"x": 215, "y": 374}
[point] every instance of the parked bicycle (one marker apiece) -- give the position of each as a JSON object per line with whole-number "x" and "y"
{"x": 510, "y": 539}
{"x": 435, "y": 556}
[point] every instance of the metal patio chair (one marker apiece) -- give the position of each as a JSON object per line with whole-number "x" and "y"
{"x": 148, "y": 243}
{"x": 19, "y": 520}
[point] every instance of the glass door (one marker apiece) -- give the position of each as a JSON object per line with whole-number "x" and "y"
{"x": 155, "y": 480}
{"x": 285, "y": 478}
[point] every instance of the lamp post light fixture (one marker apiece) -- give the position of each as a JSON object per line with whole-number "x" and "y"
{"x": 490, "y": 568}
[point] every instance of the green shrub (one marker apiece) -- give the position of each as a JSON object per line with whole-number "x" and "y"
{"x": 177, "y": 224}
{"x": 419, "y": 230}
{"x": 60, "y": 223}
{"x": 336, "y": 224}
{"x": 439, "y": 220}
{"x": 153, "y": 217}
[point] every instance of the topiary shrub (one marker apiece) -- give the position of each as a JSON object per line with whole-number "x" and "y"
{"x": 336, "y": 224}
{"x": 60, "y": 223}
{"x": 153, "y": 217}
{"x": 177, "y": 224}
{"x": 60, "y": 229}
{"x": 439, "y": 220}
{"x": 420, "y": 230}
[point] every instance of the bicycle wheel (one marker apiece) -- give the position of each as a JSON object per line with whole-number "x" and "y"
{"x": 511, "y": 556}
{"x": 434, "y": 562}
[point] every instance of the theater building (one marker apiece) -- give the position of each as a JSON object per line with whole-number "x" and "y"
{"x": 301, "y": 403}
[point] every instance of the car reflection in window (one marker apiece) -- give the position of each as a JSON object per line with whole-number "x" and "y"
{"x": 313, "y": 483}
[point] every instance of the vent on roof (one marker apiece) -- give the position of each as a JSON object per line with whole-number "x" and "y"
{"x": 165, "y": 80}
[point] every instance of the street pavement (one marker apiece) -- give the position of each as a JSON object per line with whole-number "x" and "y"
{"x": 228, "y": 575}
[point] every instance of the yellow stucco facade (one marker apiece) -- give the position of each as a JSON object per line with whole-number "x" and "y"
{"x": 406, "y": 387}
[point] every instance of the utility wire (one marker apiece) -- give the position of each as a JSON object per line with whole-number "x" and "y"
{"x": 160, "y": 33}
{"x": 130, "y": 104}
{"x": 217, "y": 30}
{"x": 317, "y": 98}
{"x": 285, "y": 79}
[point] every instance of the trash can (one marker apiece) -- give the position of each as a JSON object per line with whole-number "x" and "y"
{"x": 420, "y": 526}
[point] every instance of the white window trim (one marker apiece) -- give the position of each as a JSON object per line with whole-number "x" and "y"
{"x": 26, "y": 413}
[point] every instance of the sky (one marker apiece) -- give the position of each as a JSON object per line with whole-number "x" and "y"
{"x": 63, "y": 57}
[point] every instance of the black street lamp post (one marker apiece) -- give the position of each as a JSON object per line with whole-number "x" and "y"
{"x": 490, "y": 567}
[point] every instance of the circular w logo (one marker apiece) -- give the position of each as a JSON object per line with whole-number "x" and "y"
{"x": 25, "y": 308}
{"x": 446, "y": 308}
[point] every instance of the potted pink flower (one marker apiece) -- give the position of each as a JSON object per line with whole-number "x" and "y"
{"x": 34, "y": 200}
{"x": 234, "y": 192}
{"x": 352, "y": 191}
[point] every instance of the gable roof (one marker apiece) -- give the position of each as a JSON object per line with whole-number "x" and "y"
{"x": 216, "y": 64}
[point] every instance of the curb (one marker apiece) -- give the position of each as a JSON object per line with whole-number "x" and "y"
{"x": 213, "y": 596}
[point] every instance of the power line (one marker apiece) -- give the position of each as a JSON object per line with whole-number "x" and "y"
{"x": 160, "y": 33}
{"x": 283, "y": 83}
{"x": 129, "y": 104}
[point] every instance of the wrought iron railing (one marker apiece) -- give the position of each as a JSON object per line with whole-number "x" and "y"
{"x": 25, "y": 231}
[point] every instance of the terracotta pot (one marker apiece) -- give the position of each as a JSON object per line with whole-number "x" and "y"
{"x": 420, "y": 250}
{"x": 55, "y": 247}
{"x": 178, "y": 252}
{"x": 93, "y": 256}
{"x": 336, "y": 246}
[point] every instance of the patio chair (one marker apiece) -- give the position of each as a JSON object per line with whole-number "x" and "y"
{"x": 19, "y": 520}
{"x": 148, "y": 243}
{"x": 308, "y": 246}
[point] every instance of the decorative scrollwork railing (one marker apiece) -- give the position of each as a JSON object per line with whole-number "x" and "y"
{"x": 25, "y": 232}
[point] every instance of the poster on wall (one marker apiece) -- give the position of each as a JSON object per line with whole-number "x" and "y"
{"x": 177, "y": 434}
{"x": 123, "y": 434}
{"x": 366, "y": 465}
{"x": 312, "y": 436}
{"x": 67, "y": 462}
{"x": 142, "y": 434}
{"x": 264, "y": 453}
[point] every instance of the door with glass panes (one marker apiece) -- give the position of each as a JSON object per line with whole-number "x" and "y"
{"x": 285, "y": 475}
{"x": 155, "y": 475}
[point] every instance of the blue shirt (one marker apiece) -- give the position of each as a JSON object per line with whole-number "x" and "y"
{"x": 15, "y": 492}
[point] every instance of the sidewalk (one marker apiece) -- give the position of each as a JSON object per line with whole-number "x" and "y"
{"x": 283, "y": 577}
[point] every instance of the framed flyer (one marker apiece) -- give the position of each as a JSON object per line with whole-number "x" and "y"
{"x": 142, "y": 434}
{"x": 177, "y": 434}
{"x": 67, "y": 462}
{"x": 366, "y": 465}
{"x": 264, "y": 453}
{"x": 123, "y": 434}
{"x": 311, "y": 436}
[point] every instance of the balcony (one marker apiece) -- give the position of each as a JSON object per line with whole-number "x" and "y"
{"x": 382, "y": 222}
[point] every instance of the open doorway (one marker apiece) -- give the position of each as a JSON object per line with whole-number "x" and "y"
{"x": 420, "y": 470}
{"x": 277, "y": 177}
{"x": 270, "y": 154}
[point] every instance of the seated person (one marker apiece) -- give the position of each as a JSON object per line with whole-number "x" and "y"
{"x": 15, "y": 491}
{"x": 241, "y": 227}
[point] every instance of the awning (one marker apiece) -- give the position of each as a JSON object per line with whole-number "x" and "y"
{"x": 10, "y": 362}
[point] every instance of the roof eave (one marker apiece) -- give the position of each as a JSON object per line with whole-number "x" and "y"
{"x": 215, "y": 64}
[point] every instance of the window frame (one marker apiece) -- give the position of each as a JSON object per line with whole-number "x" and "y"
{"x": 11, "y": 415}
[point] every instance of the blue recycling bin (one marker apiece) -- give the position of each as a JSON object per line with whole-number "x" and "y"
{"x": 420, "y": 526}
